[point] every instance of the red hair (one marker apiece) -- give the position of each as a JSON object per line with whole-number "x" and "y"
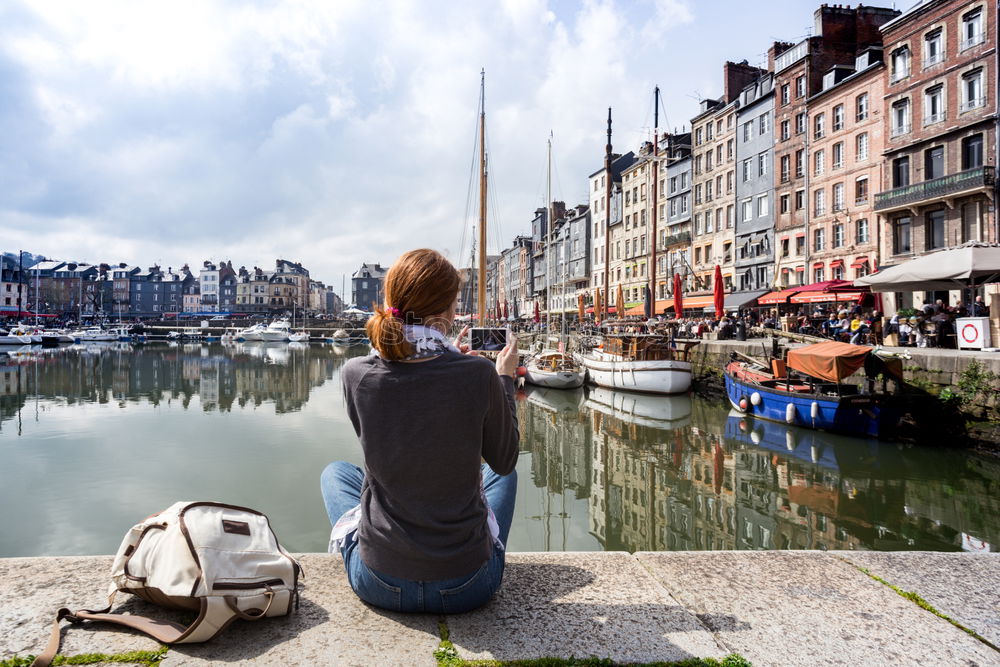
{"x": 419, "y": 286}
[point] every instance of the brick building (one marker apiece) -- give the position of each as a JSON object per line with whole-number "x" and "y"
{"x": 840, "y": 33}
{"x": 846, "y": 169}
{"x": 939, "y": 117}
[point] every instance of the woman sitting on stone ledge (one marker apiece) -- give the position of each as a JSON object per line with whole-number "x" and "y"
{"x": 423, "y": 527}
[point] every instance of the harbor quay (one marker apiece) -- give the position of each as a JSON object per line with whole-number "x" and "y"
{"x": 760, "y": 608}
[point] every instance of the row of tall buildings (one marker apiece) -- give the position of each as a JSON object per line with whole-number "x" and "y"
{"x": 867, "y": 144}
{"x": 115, "y": 290}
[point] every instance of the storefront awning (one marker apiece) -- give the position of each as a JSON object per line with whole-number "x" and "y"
{"x": 776, "y": 297}
{"x": 820, "y": 297}
{"x": 737, "y": 300}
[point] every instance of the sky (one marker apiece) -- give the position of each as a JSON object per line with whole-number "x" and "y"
{"x": 333, "y": 132}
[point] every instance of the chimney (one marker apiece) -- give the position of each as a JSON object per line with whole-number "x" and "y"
{"x": 736, "y": 77}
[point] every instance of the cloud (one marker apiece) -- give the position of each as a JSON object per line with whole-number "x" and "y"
{"x": 331, "y": 133}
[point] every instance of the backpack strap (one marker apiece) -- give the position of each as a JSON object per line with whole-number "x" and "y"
{"x": 216, "y": 613}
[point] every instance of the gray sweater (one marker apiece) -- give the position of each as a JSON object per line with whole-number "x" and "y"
{"x": 423, "y": 427}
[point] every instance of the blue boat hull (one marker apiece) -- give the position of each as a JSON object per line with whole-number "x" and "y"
{"x": 860, "y": 415}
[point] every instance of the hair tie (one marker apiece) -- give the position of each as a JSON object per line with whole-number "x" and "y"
{"x": 392, "y": 311}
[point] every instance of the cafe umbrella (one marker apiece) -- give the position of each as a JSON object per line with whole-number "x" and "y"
{"x": 720, "y": 292}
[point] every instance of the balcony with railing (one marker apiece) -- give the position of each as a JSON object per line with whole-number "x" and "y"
{"x": 676, "y": 239}
{"x": 901, "y": 128}
{"x": 946, "y": 187}
{"x": 976, "y": 39}
{"x": 969, "y": 105}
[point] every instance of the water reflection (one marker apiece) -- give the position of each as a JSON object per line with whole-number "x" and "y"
{"x": 221, "y": 377}
{"x": 679, "y": 474}
{"x": 599, "y": 469}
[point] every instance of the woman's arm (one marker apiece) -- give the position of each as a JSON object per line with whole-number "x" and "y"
{"x": 501, "y": 437}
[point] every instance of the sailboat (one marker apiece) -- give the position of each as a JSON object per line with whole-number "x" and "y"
{"x": 646, "y": 362}
{"x": 552, "y": 368}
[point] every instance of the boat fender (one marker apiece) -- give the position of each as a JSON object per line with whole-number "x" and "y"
{"x": 755, "y": 437}
{"x": 814, "y": 410}
{"x": 744, "y": 403}
{"x": 815, "y": 453}
{"x": 521, "y": 371}
{"x": 755, "y": 398}
{"x": 790, "y": 441}
{"x": 790, "y": 413}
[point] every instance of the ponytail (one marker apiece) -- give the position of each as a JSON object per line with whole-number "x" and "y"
{"x": 385, "y": 331}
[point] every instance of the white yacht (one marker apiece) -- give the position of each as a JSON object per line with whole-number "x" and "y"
{"x": 251, "y": 333}
{"x": 649, "y": 363}
{"x": 276, "y": 331}
{"x": 95, "y": 335}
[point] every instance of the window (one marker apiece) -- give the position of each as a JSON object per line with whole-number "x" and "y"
{"x": 934, "y": 105}
{"x": 708, "y": 132}
{"x": 901, "y": 235}
{"x": 800, "y": 86}
{"x": 819, "y": 162}
{"x": 708, "y": 192}
{"x": 786, "y": 162}
{"x": 838, "y": 155}
{"x": 800, "y": 123}
{"x": 747, "y": 209}
{"x": 784, "y": 247}
{"x": 934, "y": 163}
{"x": 684, "y": 180}
{"x": 800, "y": 200}
{"x": 708, "y": 161}
{"x": 697, "y": 193}
{"x": 747, "y": 130}
{"x": 972, "y": 29}
{"x": 697, "y": 137}
{"x": 838, "y": 117}
{"x": 697, "y": 223}
{"x": 747, "y": 164}
{"x": 800, "y": 246}
{"x": 730, "y": 177}
{"x": 709, "y": 223}
{"x": 861, "y": 152}
{"x": 838, "y": 197}
{"x": 972, "y": 91}
{"x": 730, "y": 216}
{"x": 972, "y": 152}
{"x": 861, "y": 107}
{"x": 762, "y": 164}
{"x": 901, "y": 172}
{"x": 697, "y": 255}
{"x": 800, "y": 160}
{"x": 935, "y": 229}
{"x": 900, "y": 117}
{"x": 933, "y": 51}
{"x": 819, "y": 240}
{"x": 972, "y": 221}
{"x": 684, "y": 204}
{"x": 783, "y": 204}
{"x": 861, "y": 231}
{"x": 818, "y": 274}
{"x": 762, "y": 124}
{"x": 786, "y": 93}
{"x": 838, "y": 235}
{"x": 673, "y": 208}
{"x": 763, "y": 206}
{"x": 861, "y": 191}
{"x": 786, "y": 130}
{"x": 819, "y": 197}
{"x": 819, "y": 125}
{"x": 900, "y": 64}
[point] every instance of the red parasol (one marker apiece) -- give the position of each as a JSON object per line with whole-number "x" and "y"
{"x": 720, "y": 292}
{"x": 538, "y": 315}
{"x": 678, "y": 296}
{"x": 505, "y": 311}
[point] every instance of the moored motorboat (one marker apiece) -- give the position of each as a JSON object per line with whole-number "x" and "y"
{"x": 276, "y": 332}
{"x": 299, "y": 337}
{"x": 650, "y": 363}
{"x": 808, "y": 389}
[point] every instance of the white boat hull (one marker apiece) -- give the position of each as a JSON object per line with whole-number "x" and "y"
{"x": 652, "y": 377}
{"x": 15, "y": 340}
{"x": 273, "y": 336}
{"x": 554, "y": 379}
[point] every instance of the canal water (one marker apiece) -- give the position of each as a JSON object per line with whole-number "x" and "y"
{"x": 93, "y": 438}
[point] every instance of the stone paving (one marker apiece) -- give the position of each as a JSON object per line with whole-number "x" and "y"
{"x": 773, "y": 608}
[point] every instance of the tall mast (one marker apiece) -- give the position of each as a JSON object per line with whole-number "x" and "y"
{"x": 482, "y": 199}
{"x": 549, "y": 245}
{"x": 656, "y": 180}
{"x": 607, "y": 217}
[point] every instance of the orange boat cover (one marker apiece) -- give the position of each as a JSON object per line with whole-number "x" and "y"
{"x": 832, "y": 360}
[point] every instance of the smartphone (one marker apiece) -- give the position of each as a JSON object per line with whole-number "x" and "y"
{"x": 487, "y": 340}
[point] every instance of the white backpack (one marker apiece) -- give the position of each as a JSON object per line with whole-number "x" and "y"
{"x": 221, "y": 561}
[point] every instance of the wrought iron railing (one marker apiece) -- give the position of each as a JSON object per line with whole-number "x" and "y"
{"x": 935, "y": 188}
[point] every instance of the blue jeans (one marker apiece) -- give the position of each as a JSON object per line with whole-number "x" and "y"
{"x": 341, "y": 486}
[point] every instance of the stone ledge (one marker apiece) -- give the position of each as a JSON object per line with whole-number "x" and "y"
{"x": 771, "y": 607}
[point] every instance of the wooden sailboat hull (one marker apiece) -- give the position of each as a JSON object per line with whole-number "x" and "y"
{"x": 554, "y": 379}
{"x": 653, "y": 377}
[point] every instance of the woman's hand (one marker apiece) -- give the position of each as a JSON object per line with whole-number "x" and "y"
{"x": 464, "y": 347}
{"x": 507, "y": 357}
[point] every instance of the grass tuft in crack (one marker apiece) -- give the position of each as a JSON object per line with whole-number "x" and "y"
{"x": 729, "y": 661}
{"x": 145, "y": 658}
{"x": 926, "y": 606}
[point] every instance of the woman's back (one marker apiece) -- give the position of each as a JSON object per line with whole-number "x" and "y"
{"x": 423, "y": 427}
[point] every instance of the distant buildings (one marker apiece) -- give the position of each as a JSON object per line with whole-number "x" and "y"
{"x": 366, "y": 286}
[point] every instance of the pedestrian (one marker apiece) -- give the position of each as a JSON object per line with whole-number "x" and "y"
{"x": 423, "y": 526}
{"x": 980, "y": 309}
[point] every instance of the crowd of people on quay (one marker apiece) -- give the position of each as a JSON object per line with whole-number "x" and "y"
{"x": 933, "y": 325}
